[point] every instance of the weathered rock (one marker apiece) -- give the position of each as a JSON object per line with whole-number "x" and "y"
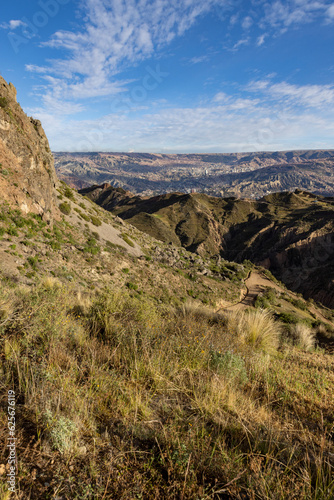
{"x": 27, "y": 175}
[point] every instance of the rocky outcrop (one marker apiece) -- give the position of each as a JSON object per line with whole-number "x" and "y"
{"x": 27, "y": 175}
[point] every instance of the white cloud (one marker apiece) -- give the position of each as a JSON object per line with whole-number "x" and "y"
{"x": 271, "y": 120}
{"x": 117, "y": 33}
{"x": 247, "y": 22}
{"x": 12, "y": 25}
{"x": 240, "y": 43}
{"x": 15, "y": 24}
{"x": 304, "y": 95}
{"x": 220, "y": 97}
{"x": 199, "y": 59}
{"x": 330, "y": 12}
{"x": 260, "y": 40}
{"x": 280, "y": 14}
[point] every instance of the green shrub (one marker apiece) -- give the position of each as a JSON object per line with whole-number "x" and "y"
{"x": 61, "y": 431}
{"x": 288, "y": 318}
{"x": 127, "y": 240}
{"x": 33, "y": 262}
{"x": 96, "y": 221}
{"x": 131, "y": 286}
{"x": 12, "y": 231}
{"x": 65, "y": 208}
{"x": 85, "y": 217}
{"x": 55, "y": 245}
{"x": 230, "y": 364}
{"x": 91, "y": 246}
{"x": 3, "y": 102}
{"x": 68, "y": 193}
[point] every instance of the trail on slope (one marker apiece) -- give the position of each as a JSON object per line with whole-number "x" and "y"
{"x": 255, "y": 283}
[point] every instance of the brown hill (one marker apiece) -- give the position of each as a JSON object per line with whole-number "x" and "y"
{"x": 291, "y": 234}
{"x": 27, "y": 174}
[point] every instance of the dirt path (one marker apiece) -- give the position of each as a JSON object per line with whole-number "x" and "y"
{"x": 255, "y": 283}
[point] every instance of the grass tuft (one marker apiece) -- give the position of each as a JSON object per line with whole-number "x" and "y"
{"x": 304, "y": 337}
{"x": 258, "y": 329}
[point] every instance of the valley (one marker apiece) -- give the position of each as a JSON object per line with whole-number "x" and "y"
{"x": 247, "y": 175}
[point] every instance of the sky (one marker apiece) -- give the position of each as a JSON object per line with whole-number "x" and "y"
{"x": 173, "y": 76}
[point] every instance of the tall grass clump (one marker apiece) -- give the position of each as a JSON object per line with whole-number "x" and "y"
{"x": 258, "y": 329}
{"x": 304, "y": 337}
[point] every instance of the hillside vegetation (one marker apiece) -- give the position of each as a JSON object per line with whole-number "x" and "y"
{"x": 291, "y": 234}
{"x": 142, "y": 370}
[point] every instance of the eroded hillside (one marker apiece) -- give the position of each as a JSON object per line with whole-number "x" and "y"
{"x": 291, "y": 234}
{"x": 236, "y": 174}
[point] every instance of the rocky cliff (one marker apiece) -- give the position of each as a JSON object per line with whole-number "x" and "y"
{"x": 27, "y": 174}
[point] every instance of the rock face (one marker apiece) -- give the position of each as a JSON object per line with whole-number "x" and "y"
{"x": 27, "y": 175}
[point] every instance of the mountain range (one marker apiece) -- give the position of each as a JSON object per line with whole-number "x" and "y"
{"x": 289, "y": 233}
{"x": 250, "y": 175}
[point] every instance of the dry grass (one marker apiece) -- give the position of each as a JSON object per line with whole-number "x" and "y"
{"x": 50, "y": 282}
{"x": 304, "y": 337}
{"x": 123, "y": 398}
{"x": 258, "y": 329}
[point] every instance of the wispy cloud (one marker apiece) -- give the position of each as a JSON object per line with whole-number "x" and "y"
{"x": 247, "y": 22}
{"x": 229, "y": 123}
{"x": 330, "y": 12}
{"x": 260, "y": 40}
{"x": 12, "y": 25}
{"x": 240, "y": 43}
{"x": 116, "y": 33}
{"x": 304, "y": 95}
{"x": 199, "y": 59}
{"x": 283, "y": 14}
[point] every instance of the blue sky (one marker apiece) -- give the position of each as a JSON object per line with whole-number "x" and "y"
{"x": 176, "y": 76}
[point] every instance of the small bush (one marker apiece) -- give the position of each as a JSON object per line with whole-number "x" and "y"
{"x": 68, "y": 193}
{"x": 131, "y": 286}
{"x": 61, "y": 430}
{"x": 127, "y": 240}
{"x": 33, "y": 262}
{"x": 91, "y": 246}
{"x": 288, "y": 318}
{"x": 50, "y": 283}
{"x": 12, "y": 231}
{"x": 96, "y": 221}
{"x": 65, "y": 208}
{"x": 230, "y": 364}
{"x": 3, "y": 102}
